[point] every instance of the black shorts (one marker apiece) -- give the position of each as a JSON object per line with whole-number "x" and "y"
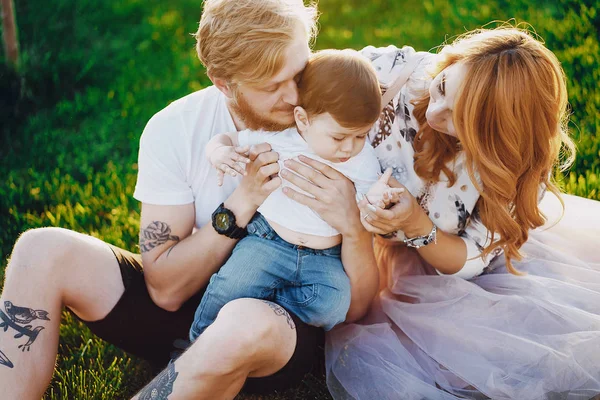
{"x": 140, "y": 327}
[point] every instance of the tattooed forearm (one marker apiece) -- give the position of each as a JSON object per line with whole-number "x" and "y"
{"x": 5, "y": 361}
{"x": 162, "y": 386}
{"x": 154, "y": 235}
{"x": 281, "y": 311}
{"x": 22, "y": 315}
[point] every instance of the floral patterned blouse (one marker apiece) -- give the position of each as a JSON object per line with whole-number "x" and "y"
{"x": 451, "y": 209}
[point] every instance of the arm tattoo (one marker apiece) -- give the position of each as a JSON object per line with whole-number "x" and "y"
{"x": 16, "y": 315}
{"x": 162, "y": 386}
{"x": 154, "y": 235}
{"x": 281, "y": 311}
{"x": 172, "y": 247}
{"x": 5, "y": 361}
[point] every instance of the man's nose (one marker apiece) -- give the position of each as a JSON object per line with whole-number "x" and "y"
{"x": 290, "y": 94}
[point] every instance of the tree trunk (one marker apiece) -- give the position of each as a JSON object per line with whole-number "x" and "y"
{"x": 9, "y": 33}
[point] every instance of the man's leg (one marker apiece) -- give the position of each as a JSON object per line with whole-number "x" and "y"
{"x": 49, "y": 268}
{"x": 249, "y": 338}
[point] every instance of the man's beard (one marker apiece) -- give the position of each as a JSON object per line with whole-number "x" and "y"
{"x": 254, "y": 121}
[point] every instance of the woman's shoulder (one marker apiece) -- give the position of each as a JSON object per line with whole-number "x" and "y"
{"x": 389, "y": 62}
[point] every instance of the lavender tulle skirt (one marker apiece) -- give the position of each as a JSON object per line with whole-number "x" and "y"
{"x": 497, "y": 336}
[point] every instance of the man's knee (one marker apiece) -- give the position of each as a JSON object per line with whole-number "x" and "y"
{"x": 241, "y": 335}
{"x": 41, "y": 249}
{"x": 245, "y": 320}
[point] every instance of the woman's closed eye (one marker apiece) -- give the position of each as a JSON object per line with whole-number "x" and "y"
{"x": 441, "y": 86}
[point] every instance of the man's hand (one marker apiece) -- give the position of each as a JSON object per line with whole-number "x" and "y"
{"x": 334, "y": 195}
{"x": 229, "y": 160}
{"x": 261, "y": 174}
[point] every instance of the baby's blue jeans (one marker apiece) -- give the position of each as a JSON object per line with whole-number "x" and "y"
{"x": 309, "y": 283}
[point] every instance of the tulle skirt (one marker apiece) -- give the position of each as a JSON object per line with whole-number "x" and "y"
{"x": 497, "y": 336}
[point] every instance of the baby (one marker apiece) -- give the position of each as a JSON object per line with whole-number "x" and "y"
{"x": 291, "y": 256}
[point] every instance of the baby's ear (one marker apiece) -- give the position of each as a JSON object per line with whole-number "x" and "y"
{"x": 301, "y": 118}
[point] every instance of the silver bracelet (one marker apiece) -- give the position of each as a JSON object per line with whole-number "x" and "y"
{"x": 422, "y": 241}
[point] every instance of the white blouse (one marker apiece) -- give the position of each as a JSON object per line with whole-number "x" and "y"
{"x": 452, "y": 209}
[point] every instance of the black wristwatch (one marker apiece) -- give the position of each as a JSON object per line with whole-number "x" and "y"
{"x": 223, "y": 220}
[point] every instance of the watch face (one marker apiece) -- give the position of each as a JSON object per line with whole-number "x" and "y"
{"x": 222, "y": 221}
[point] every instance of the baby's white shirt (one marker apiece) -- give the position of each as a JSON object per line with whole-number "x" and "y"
{"x": 363, "y": 170}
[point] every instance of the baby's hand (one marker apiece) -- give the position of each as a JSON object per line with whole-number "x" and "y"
{"x": 381, "y": 194}
{"x": 390, "y": 197}
{"x": 229, "y": 160}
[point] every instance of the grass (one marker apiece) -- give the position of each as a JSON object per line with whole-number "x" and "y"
{"x": 93, "y": 73}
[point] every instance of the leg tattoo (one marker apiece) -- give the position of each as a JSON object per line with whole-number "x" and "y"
{"x": 154, "y": 235}
{"x": 281, "y": 311}
{"x": 5, "y": 361}
{"x": 162, "y": 386}
{"x": 21, "y": 315}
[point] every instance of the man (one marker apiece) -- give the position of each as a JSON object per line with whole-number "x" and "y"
{"x": 254, "y": 51}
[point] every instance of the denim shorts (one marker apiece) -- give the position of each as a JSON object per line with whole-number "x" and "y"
{"x": 310, "y": 283}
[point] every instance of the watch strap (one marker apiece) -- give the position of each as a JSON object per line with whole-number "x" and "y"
{"x": 237, "y": 233}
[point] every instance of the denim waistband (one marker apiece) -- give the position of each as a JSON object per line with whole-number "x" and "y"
{"x": 260, "y": 227}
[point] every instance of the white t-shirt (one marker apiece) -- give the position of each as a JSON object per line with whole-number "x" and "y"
{"x": 172, "y": 166}
{"x": 362, "y": 169}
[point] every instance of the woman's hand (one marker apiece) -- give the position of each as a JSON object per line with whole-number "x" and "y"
{"x": 334, "y": 194}
{"x": 405, "y": 215}
{"x": 381, "y": 194}
{"x": 261, "y": 174}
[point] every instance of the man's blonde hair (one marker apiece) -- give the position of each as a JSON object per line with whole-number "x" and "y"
{"x": 244, "y": 41}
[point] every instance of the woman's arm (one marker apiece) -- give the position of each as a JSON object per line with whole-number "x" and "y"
{"x": 448, "y": 255}
{"x": 334, "y": 200}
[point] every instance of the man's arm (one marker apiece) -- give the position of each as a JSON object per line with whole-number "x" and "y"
{"x": 360, "y": 265}
{"x": 334, "y": 200}
{"x": 178, "y": 263}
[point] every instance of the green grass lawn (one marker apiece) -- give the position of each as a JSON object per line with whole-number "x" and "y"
{"x": 93, "y": 73}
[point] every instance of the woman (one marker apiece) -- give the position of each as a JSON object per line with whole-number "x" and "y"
{"x": 478, "y": 301}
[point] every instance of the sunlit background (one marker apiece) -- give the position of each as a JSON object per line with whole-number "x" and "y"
{"x": 91, "y": 73}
